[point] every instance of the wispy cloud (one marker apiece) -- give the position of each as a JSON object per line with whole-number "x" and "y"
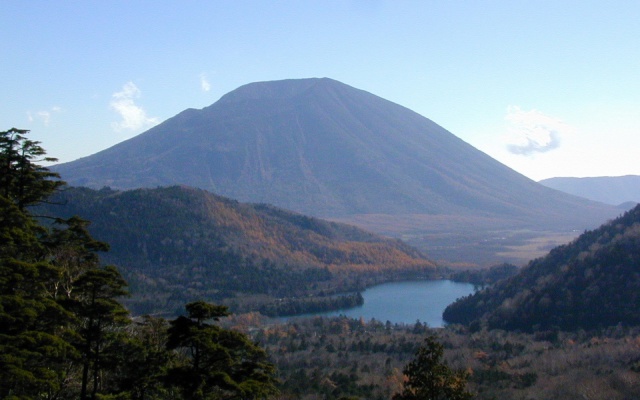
{"x": 44, "y": 115}
{"x": 531, "y": 132}
{"x": 204, "y": 82}
{"x": 133, "y": 116}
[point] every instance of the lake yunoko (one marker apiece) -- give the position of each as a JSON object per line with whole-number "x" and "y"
{"x": 406, "y": 302}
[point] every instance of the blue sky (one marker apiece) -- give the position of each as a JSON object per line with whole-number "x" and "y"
{"x": 549, "y": 88}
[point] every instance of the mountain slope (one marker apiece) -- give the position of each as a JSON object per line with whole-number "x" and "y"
{"x": 323, "y": 148}
{"x": 590, "y": 283}
{"x": 614, "y": 190}
{"x": 180, "y": 244}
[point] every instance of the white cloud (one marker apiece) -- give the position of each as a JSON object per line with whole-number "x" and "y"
{"x": 44, "y": 115}
{"x": 133, "y": 116}
{"x": 531, "y": 132}
{"x": 204, "y": 83}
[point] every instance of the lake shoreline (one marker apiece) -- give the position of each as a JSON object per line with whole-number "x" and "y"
{"x": 405, "y": 302}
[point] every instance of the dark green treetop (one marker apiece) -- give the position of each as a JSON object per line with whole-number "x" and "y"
{"x": 22, "y": 179}
{"x": 33, "y": 350}
{"x": 218, "y": 363}
{"x": 429, "y": 377}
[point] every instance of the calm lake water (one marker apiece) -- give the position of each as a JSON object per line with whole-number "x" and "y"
{"x": 407, "y": 302}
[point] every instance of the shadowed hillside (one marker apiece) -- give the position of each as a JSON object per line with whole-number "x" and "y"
{"x": 178, "y": 244}
{"x": 591, "y": 283}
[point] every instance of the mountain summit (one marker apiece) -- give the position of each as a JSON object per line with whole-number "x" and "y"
{"x": 323, "y": 148}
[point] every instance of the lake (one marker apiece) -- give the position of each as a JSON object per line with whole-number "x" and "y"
{"x": 406, "y": 302}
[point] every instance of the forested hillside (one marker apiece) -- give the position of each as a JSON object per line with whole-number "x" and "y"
{"x": 590, "y": 283}
{"x": 178, "y": 244}
{"x": 64, "y": 334}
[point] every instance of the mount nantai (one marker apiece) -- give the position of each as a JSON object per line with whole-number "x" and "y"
{"x": 323, "y": 148}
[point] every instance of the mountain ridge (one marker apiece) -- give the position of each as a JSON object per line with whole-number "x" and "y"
{"x": 614, "y": 190}
{"x": 323, "y": 148}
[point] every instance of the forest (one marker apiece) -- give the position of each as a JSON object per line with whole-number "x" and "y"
{"x": 176, "y": 244}
{"x": 66, "y": 332}
{"x": 333, "y": 358}
{"x": 592, "y": 282}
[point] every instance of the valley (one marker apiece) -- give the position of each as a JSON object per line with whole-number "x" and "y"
{"x": 460, "y": 242}
{"x": 320, "y": 200}
{"x": 589, "y": 283}
{"x": 275, "y": 230}
{"x": 486, "y": 248}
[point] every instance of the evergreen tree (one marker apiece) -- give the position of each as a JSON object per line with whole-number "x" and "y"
{"x": 219, "y": 363}
{"x": 147, "y": 361}
{"x": 65, "y": 335}
{"x": 100, "y": 321}
{"x": 57, "y": 305}
{"x": 22, "y": 179}
{"x": 33, "y": 349}
{"x": 429, "y": 377}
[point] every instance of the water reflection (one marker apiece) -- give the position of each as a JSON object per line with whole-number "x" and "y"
{"x": 407, "y": 302}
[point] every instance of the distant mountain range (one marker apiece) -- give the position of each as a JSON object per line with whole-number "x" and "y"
{"x": 323, "y": 148}
{"x": 590, "y": 283}
{"x": 615, "y": 190}
{"x": 179, "y": 244}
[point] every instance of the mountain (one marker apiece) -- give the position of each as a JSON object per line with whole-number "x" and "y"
{"x": 180, "y": 244}
{"x": 323, "y": 148}
{"x": 615, "y": 190}
{"x": 592, "y": 282}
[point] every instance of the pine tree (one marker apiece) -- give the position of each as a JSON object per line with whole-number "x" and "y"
{"x": 22, "y": 179}
{"x": 33, "y": 348}
{"x": 100, "y": 321}
{"x": 57, "y": 304}
{"x": 63, "y": 332}
{"x": 429, "y": 377}
{"x": 220, "y": 363}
